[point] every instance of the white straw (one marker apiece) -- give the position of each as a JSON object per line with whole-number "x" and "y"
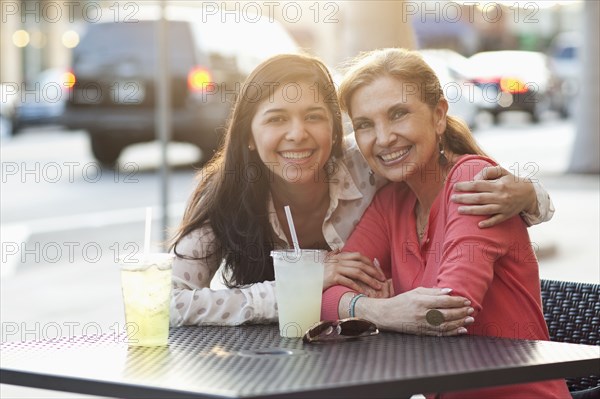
{"x": 147, "y": 231}
{"x": 288, "y": 214}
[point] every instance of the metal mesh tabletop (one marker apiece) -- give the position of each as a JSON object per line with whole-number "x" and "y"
{"x": 253, "y": 361}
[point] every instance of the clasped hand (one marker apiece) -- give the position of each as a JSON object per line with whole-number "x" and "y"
{"x": 404, "y": 312}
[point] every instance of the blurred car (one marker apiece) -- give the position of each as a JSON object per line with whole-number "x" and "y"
{"x": 451, "y": 68}
{"x": 515, "y": 80}
{"x": 115, "y": 66}
{"x": 565, "y": 65}
{"x": 8, "y": 95}
{"x": 44, "y": 100}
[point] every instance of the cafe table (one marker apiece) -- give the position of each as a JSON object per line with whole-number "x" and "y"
{"x": 255, "y": 362}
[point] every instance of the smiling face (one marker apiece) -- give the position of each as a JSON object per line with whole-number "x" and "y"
{"x": 292, "y": 131}
{"x": 396, "y": 132}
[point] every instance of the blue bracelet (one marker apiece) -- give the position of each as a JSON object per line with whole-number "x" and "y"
{"x": 353, "y": 304}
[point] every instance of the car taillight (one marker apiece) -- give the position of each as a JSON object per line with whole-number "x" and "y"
{"x": 512, "y": 85}
{"x": 69, "y": 79}
{"x": 200, "y": 79}
{"x": 485, "y": 80}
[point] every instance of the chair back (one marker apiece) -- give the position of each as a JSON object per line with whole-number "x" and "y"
{"x": 572, "y": 312}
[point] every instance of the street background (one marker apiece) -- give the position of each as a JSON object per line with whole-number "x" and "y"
{"x": 64, "y": 220}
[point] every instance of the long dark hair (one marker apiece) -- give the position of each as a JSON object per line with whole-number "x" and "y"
{"x": 233, "y": 188}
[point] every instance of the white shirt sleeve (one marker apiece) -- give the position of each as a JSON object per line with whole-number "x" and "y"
{"x": 193, "y": 302}
{"x": 545, "y": 206}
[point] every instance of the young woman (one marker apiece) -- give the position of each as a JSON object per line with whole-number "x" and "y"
{"x": 413, "y": 228}
{"x": 285, "y": 146}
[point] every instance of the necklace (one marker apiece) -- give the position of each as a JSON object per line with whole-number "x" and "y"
{"x": 421, "y": 229}
{"x": 421, "y": 224}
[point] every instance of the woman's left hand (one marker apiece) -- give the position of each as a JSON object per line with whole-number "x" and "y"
{"x": 494, "y": 191}
{"x": 354, "y": 271}
{"x": 386, "y": 290}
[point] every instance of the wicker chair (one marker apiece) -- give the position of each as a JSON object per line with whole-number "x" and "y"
{"x": 572, "y": 312}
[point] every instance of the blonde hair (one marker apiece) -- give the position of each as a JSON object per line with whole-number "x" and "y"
{"x": 410, "y": 68}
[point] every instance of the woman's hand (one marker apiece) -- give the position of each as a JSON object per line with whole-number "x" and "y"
{"x": 354, "y": 271}
{"x": 494, "y": 191}
{"x": 406, "y": 312}
{"x": 386, "y": 290}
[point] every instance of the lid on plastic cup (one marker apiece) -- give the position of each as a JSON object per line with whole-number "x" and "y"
{"x": 161, "y": 261}
{"x": 292, "y": 255}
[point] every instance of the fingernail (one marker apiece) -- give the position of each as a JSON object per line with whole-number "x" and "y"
{"x": 461, "y": 209}
{"x": 446, "y": 290}
{"x": 470, "y": 311}
{"x": 376, "y": 262}
{"x": 467, "y": 302}
{"x": 469, "y": 320}
{"x": 462, "y": 330}
{"x": 453, "y": 198}
{"x": 480, "y": 224}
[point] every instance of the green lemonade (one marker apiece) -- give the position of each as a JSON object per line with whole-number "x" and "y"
{"x": 146, "y": 294}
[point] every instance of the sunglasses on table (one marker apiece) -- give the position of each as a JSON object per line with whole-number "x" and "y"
{"x": 340, "y": 330}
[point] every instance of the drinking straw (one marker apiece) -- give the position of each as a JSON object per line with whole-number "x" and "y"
{"x": 147, "y": 231}
{"x": 288, "y": 214}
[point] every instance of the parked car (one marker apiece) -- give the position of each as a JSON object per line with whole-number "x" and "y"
{"x": 115, "y": 65}
{"x": 44, "y": 101}
{"x": 464, "y": 99}
{"x": 515, "y": 80}
{"x": 565, "y": 65}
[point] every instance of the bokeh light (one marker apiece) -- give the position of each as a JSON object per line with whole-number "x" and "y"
{"x": 20, "y": 38}
{"x": 70, "y": 39}
{"x": 69, "y": 79}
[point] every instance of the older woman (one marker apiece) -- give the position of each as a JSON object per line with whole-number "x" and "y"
{"x": 413, "y": 228}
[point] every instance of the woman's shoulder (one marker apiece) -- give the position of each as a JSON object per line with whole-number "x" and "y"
{"x": 352, "y": 155}
{"x": 467, "y": 166}
{"x": 358, "y": 167}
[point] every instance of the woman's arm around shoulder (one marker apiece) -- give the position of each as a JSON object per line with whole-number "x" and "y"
{"x": 500, "y": 195}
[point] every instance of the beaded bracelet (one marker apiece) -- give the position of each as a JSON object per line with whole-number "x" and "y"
{"x": 353, "y": 304}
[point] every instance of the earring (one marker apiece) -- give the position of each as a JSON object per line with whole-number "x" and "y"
{"x": 371, "y": 177}
{"x": 442, "y": 159}
{"x": 250, "y": 147}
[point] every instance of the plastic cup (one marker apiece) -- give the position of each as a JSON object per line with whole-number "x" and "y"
{"x": 299, "y": 286}
{"x": 146, "y": 286}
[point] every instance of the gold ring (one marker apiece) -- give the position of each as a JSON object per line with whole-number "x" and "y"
{"x": 434, "y": 317}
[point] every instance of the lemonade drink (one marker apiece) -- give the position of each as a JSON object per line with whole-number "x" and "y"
{"x": 299, "y": 286}
{"x": 146, "y": 285}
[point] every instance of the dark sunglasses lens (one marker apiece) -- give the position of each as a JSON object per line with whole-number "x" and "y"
{"x": 355, "y": 328}
{"x": 340, "y": 330}
{"x": 323, "y": 328}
